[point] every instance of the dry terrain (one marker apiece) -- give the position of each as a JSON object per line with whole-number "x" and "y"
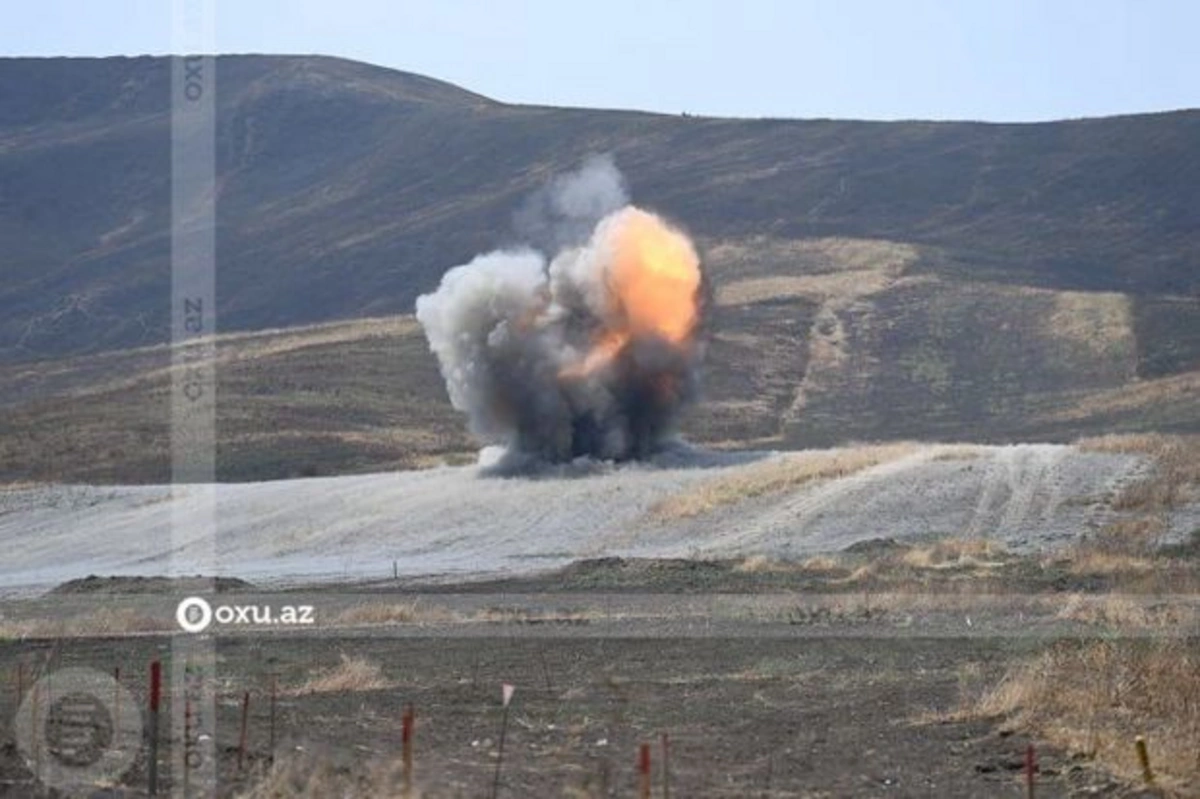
{"x": 451, "y": 522}
{"x": 892, "y": 620}
{"x": 780, "y": 680}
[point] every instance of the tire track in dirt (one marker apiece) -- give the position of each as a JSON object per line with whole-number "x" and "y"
{"x": 451, "y": 520}
{"x": 1029, "y": 470}
{"x": 798, "y": 512}
{"x": 1100, "y": 512}
{"x": 1019, "y": 479}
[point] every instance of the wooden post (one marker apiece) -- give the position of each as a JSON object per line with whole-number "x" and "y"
{"x": 1144, "y": 758}
{"x": 644, "y": 771}
{"x": 242, "y": 735}
{"x": 155, "y": 692}
{"x": 406, "y": 739}
{"x": 666, "y": 758}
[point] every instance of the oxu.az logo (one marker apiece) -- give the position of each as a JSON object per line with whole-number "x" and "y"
{"x": 195, "y": 614}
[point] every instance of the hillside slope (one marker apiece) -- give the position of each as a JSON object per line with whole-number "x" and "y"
{"x": 346, "y": 189}
{"x": 952, "y": 281}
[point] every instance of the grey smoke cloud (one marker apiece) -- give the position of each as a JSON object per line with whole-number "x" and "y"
{"x": 585, "y": 343}
{"x": 563, "y": 212}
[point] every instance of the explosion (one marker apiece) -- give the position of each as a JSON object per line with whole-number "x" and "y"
{"x": 593, "y": 353}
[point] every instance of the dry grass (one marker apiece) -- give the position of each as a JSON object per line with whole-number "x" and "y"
{"x": 812, "y": 256}
{"x": 100, "y": 622}
{"x": 308, "y": 777}
{"x": 20, "y": 485}
{"x": 1175, "y": 478}
{"x": 1100, "y": 321}
{"x": 902, "y": 569}
{"x": 352, "y": 674}
{"x": 383, "y": 613}
{"x": 416, "y": 612}
{"x": 958, "y": 452}
{"x": 820, "y": 564}
{"x": 776, "y": 287}
{"x": 862, "y": 574}
{"x": 1086, "y": 560}
{"x": 522, "y": 615}
{"x": 1130, "y": 545}
{"x": 762, "y": 564}
{"x": 1094, "y": 699}
{"x": 782, "y": 473}
{"x": 1131, "y": 612}
{"x": 337, "y": 398}
{"x": 901, "y": 603}
{"x": 912, "y": 574}
{"x": 954, "y": 553}
{"x": 1131, "y": 536}
{"x": 1160, "y": 392}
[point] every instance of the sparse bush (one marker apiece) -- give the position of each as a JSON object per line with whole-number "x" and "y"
{"x": 1093, "y": 699}
{"x": 1174, "y": 479}
{"x": 310, "y": 777}
{"x": 101, "y": 622}
{"x": 1137, "y": 535}
{"x": 1115, "y": 610}
{"x": 352, "y": 674}
{"x": 952, "y": 553}
{"x": 392, "y": 613}
{"x": 758, "y": 564}
{"x": 821, "y": 564}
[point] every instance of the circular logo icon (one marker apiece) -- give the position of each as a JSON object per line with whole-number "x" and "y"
{"x": 77, "y": 728}
{"x": 194, "y": 614}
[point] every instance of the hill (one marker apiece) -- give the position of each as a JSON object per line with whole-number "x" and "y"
{"x": 874, "y": 280}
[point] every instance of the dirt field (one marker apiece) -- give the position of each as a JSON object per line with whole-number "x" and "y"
{"x": 747, "y": 606}
{"x": 836, "y": 714}
{"x": 805, "y": 687}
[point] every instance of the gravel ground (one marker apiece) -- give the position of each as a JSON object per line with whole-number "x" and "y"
{"x": 458, "y": 522}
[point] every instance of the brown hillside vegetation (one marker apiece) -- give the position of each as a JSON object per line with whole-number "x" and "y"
{"x": 365, "y": 395}
{"x": 873, "y": 281}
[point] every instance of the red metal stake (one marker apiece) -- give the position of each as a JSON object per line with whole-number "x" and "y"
{"x": 644, "y": 770}
{"x": 1030, "y": 770}
{"x": 187, "y": 739}
{"x": 155, "y": 693}
{"x": 407, "y": 741}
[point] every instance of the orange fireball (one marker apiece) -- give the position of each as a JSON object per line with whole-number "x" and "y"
{"x": 653, "y": 287}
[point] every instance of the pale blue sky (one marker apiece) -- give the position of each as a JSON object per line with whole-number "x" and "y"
{"x": 1007, "y": 60}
